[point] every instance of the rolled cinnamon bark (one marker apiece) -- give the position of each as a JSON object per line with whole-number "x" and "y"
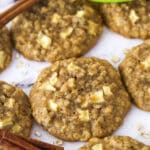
{"x": 15, "y": 142}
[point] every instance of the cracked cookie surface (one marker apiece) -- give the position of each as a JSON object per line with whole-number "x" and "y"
{"x": 5, "y": 49}
{"x": 135, "y": 71}
{"x": 57, "y": 29}
{"x": 130, "y": 19}
{"x": 115, "y": 143}
{"x": 79, "y": 98}
{"x": 15, "y": 110}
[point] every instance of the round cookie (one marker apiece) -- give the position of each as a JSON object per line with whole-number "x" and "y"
{"x": 79, "y": 98}
{"x": 131, "y": 19}
{"x": 115, "y": 143}
{"x": 15, "y": 110}
{"x": 5, "y": 49}
{"x": 57, "y": 29}
{"x": 135, "y": 71}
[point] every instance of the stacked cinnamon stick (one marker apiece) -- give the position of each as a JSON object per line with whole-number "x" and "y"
{"x": 12, "y": 12}
{"x": 11, "y": 141}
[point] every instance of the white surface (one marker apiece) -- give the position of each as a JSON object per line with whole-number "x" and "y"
{"x": 109, "y": 45}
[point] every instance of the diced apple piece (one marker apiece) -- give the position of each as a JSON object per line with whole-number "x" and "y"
{"x": 44, "y": 41}
{"x": 97, "y": 147}
{"x": 98, "y": 97}
{"x": 64, "y": 34}
{"x": 84, "y": 115}
{"x": 53, "y": 106}
{"x": 107, "y": 90}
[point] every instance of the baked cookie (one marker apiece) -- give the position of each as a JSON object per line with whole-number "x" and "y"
{"x": 131, "y": 19}
{"x": 5, "y": 49}
{"x": 79, "y": 98}
{"x": 115, "y": 143}
{"x": 57, "y": 29}
{"x": 15, "y": 110}
{"x": 135, "y": 71}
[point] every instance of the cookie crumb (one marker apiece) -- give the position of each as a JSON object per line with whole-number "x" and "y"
{"x": 20, "y": 64}
{"x": 115, "y": 59}
{"x": 38, "y": 134}
{"x": 139, "y": 127}
{"x": 125, "y": 51}
{"x": 58, "y": 142}
{"x": 145, "y": 134}
{"x": 13, "y": 83}
{"x": 17, "y": 55}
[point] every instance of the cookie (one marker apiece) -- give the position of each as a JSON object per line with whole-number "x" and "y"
{"x": 79, "y": 98}
{"x": 135, "y": 71}
{"x": 57, "y": 29}
{"x": 131, "y": 19}
{"x": 15, "y": 110}
{"x": 5, "y": 49}
{"x": 115, "y": 143}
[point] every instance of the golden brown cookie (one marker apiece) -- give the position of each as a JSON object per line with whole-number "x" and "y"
{"x": 57, "y": 29}
{"x": 5, "y": 48}
{"x": 15, "y": 110}
{"x": 115, "y": 143}
{"x": 135, "y": 71}
{"x": 79, "y": 98}
{"x": 131, "y": 19}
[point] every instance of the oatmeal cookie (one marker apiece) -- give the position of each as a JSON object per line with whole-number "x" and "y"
{"x": 131, "y": 19}
{"x": 115, "y": 143}
{"x": 5, "y": 48}
{"x": 135, "y": 71}
{"x": 57, "y": 29}
{"x": 79, "y": 98}
{"x": 15, "y": 110}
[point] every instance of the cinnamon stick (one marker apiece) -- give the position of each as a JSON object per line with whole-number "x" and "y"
{"x": 21, "y": 143}
{"x": 9, "y": 146}
{"x": 11, "y": 138}
{"x": 42, "y": 144}
{"x": 12, "y": 12}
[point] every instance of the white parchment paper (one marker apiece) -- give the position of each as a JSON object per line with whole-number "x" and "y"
{"x": 110, "y": 45}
